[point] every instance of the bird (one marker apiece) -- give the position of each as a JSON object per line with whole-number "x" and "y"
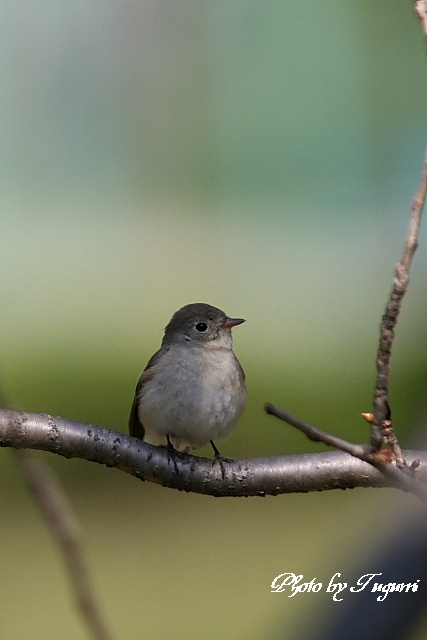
{"x": 192, "y": 390}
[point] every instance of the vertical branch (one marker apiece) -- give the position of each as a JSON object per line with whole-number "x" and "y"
{"x": 381, "y": 427}
{"x": 400, "y": 286}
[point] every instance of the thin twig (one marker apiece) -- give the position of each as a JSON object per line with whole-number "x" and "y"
{"x": 382, "y": 412}
{"x": 382, "y": 460}
{"x": 316, "y": 435}
{"x": 59, "y": 514}
{"x": 389, "y": 320}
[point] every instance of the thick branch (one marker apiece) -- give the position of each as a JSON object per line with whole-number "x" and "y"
{"x": 256, "y": 476}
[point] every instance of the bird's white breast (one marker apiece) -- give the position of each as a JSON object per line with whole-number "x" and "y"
{"x": 198, "y": 394}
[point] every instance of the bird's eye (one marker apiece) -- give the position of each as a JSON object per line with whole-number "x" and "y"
{"x": 201, "y": 327}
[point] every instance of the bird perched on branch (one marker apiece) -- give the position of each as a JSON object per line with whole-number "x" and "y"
{"x": 192, "y": 390}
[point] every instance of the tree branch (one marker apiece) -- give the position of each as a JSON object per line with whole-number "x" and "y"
{"x": 59, "y": 514}
{"x": 382, "y": 414}
{"x": 389, "y": 320}
{"x": 251, "y": 477}
{"x": 400, "y": 475}
{"x": 381, "y": 460}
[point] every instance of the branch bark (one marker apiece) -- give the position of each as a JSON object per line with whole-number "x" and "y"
{"x": 250, "y": 477}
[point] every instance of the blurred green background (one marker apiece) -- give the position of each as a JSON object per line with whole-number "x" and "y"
{"x": 258, "y": 156}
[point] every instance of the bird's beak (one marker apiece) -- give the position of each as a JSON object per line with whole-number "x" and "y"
{"x": 233, "y": 322}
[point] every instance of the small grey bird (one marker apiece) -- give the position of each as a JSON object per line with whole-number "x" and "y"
{"x": 192, "y": 390}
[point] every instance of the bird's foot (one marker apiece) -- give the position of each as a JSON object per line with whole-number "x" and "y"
{"x": 173, "y": 454}
{"x": 219, "y": 459}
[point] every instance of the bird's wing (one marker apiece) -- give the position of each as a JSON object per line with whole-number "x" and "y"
{"x": 240, "y": 367}
{"x": 136, "y": 428}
